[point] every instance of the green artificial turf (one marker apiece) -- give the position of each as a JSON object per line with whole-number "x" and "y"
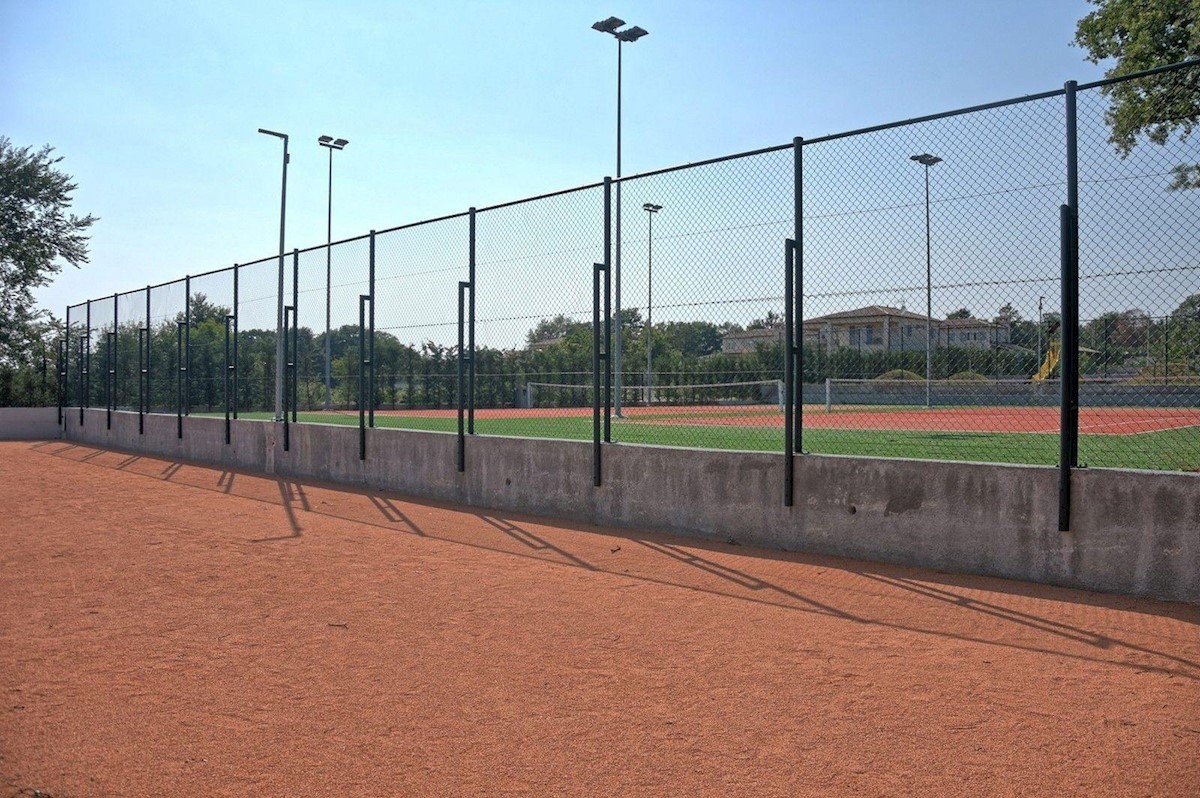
{"x": 1168, "y": 450}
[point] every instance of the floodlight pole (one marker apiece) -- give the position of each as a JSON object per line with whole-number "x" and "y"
{"x": 617, "y": 269}
{"x": 279, "y": 345}
{"x": 331, "y": 144}
{"x": 927, "y": 160}
{"x": 611, "y": 26}
{"x": 928, "y": 300}
{"x": 650, "y": 209}
{"x": 328, "y": 282}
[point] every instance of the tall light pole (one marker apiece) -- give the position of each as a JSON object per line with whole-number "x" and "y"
{"x": 927, "y": 160}
{"x": 331, "y": 144}
{"x": 610, "y": 27}
{"x": 279, "y": 296}
{"x": 650, "y": 209}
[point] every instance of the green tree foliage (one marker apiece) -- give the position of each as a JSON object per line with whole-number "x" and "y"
{"x": 961, "y": 313}
{"x": 1140, "y": 35}
{"x": 37, "y": 234}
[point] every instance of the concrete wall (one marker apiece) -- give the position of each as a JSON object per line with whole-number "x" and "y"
{"x": 29, "y": 423}
{"x": 1132, "y": 532}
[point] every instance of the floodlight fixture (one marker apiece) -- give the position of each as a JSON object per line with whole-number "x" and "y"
{"x": 609, "y": 25}
{"x": 925, "y": 159}
{"x": 631, "y": 34}
{"x": 331, "y": 142}
{"x": 650, "y": 206}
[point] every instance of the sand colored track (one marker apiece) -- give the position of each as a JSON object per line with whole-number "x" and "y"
{"x": 170, "y": 629}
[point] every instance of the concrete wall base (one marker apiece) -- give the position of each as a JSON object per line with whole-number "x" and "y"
{"x": 1133, "y": 532}
{"x": 29, "y": 423}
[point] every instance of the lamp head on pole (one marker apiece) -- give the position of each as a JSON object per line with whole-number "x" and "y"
{"x": 925, "y": 159}
{"x": 650, "y": 206}
{"x": 332, "y": 143}
{"x": 273, "y": 133}
{"x": 611, "y": 25}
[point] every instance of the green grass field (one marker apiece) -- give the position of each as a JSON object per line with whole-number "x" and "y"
{"x": 1169, "y": 450}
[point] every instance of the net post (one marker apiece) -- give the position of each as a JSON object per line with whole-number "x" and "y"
{"x": 471, "y": 331}
{"x": 289, "y": 369}
{"x": 608, "y": 366}
{"x": 82, "y": 371}
{"x": 789, "y": 375}
{"x": 295, "y": 329}
{"x": 363, "y": 364}
{"x": 85, "y": 397}
{"x": 798, "y": 286}
{"x": 61, "y": 374}
{"x": 371, "y": 340}
{"x": 187, "y": 345}
{"x": 180, "y": 368}
{"x": 228, "y": 377}
{"x": 113, "y": 360}
{"x": 597, "y": 356}
{"x": 1069, "y": 327}
{"x": 235, "y": 340}
{"x": 143, "y": 333}
{"x": 110, "y": 378}
{"x": 828, "y": 395}
{"x": 149, "y": 363}
{"x": 461, "y": 391}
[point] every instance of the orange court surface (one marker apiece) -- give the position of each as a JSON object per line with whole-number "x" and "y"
{"x": 169, "y": 629}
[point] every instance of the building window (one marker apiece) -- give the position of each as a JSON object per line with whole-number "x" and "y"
{"x": 870, "y": 337}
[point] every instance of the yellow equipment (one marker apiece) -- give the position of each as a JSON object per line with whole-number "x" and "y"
{"x": 1049, "y": 364}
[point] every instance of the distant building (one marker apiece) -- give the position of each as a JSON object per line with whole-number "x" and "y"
{"x": 744, "y": 342}
{"x": 877, "y": 328}
{"x": 972, "y": 333}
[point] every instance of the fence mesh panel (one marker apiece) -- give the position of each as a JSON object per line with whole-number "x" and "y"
{"x": 1139, "y": 293}
{"x": 131, "y": 318}
{"x": 989, "y": 269}
{"x": 417, "y": 271}
{"x": 211, "y": 300}
{"x": 256, "y": 320}
{"x": 534, "y": 263}
{"x": 706, "y": 271}
{"x": 73, "y": 388}
{"x": 167, "y": 303}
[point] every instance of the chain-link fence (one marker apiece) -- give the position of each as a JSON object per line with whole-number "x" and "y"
{"x": 1139, "y": 283}
{"x": 924, "y": 297}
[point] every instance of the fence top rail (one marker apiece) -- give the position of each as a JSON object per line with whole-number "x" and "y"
{"x": 1189, "y": 63}
{"x": 1192, "y": 62}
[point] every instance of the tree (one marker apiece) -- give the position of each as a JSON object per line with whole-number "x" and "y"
{"x": 548, "y": 330}
{"x": 772, "y": 321}
{"x": 36, "y": 233}
{"x": 961, "y": 313}
{"x": 1142, "y": 35}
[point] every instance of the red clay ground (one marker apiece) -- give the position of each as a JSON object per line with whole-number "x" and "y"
{"x": 169, "y": 629}
{"x": 1092, "y": 420}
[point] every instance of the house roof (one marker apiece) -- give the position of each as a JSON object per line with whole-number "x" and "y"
{"x": 870, "y": 311}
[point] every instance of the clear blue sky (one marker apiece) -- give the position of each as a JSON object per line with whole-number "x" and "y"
{"x": 448, "y": 105}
